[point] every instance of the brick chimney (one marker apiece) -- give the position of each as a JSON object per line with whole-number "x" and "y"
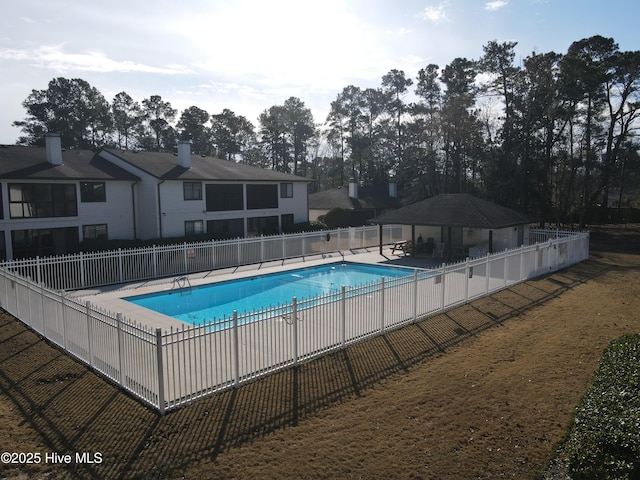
{"x": 53, "y": 146}
{"x": 184, "y": 153}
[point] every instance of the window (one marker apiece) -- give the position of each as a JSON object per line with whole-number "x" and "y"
{"x": 286, "y": 222}
{"x": 232, "y": 228}
{"x": 222, "y": 197}
{"x": 192, "y": 190}
{"x": 94, "y": 232}
{"x": 262, "y": 226}
{"x": 262, "y": 196}
{"x": 1, "y": 206}
{"x": 41, "y": 200}
{"x": 193, "y": 227}
{"x": 286, "y": 190}
{"x": 44, "y": 242}
{"x": 92, "y": 192}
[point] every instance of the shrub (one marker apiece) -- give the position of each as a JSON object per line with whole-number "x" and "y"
{"x": 312, "y": 226}
{"x": 605, "y": 439}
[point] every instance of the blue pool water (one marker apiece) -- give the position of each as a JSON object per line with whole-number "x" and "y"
{"x": 201, "y": 304}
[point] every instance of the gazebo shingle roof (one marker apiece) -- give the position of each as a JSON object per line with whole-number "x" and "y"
{"x": 455, "y": 210}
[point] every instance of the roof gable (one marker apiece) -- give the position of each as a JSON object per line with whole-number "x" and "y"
{"x": 30, "y": 163}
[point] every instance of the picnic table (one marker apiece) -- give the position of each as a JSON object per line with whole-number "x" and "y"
{"x": 403, "y": 246}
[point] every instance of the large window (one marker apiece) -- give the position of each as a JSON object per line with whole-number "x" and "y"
{"x": 193, "y": 227}
{"x": 94, "y": 232}
{"x": 44, "y": 242}
{"x": 262, "y": 196}
{"x": 222, "y": 197}
{"x": 41, "y": 200}
{"x": 231, "y": 228}
{"x": 262, "y": 226}
{"x": 286, "y": 190}
{"x": 192, "y": 190}
{"x": 92, "y": 192}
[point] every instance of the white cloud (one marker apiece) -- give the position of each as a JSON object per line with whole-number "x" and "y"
{"x": 496, "y": 5}
{"x": 54, "y": 57}
{"x": 436, "y": 14}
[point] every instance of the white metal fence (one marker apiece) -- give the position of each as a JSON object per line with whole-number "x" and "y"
{"x": 172, "y": 368}
{"x": 85, "y": 270}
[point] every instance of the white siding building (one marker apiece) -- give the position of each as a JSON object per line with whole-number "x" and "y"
{"x": 187, "y": 194}
{"x": 52, "y": 199}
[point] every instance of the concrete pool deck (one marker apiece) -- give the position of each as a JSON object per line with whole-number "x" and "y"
{"x": 111, "y": 298}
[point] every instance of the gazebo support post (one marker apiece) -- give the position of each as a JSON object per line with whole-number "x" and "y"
{"x": 380, "y": 236}
{"x": 413, "y": 240}
{"x": 490, "y": 241}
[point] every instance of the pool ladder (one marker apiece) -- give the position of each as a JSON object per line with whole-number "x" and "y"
{"x": 182, "y": 283}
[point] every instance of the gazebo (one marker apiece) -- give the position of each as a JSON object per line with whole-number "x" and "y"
{"x": 458, "y": 225}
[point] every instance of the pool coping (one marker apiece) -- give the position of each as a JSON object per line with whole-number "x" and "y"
{"x": 111, "y": 298}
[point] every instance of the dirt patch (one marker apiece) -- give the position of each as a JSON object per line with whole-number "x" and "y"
{"x": 486, "y": 390}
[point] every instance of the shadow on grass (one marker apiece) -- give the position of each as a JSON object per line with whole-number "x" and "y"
{"x": 71, "y": 409}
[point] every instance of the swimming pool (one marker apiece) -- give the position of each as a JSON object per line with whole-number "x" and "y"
{"x": 215, "y": 301}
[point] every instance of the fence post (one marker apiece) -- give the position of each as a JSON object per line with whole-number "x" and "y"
{"x": 119, "y": 338}
{"x": 155, "y": 261}
{"x": 262, "y": 248}
{"x": 43, "y": 313}
{"x": 89, "y": 332}
{"x": 184, "y": 257}
{"x": 15, "y": 289}
{"x": 38, "y": 270}
{"x": 213, "y": 254}
{"x": 444, "y": 269}
{"x": 382, "y": 284}
{"x": 160, "y": 363}
{"x": 466, "y": 280}
{"x": 28, "y": 282}
{"x": 120, "y": 269}
{"x": 236, "y": 351}
{"x": 82, "y": 274}
{"x": 415, "y": 295}
{"x": 63, "y": 301}
{"x": 294, "y": 333}
{"x": 343, "y": 315}
{"x": 505, "y": 267}
{"x": 521, "y": 262}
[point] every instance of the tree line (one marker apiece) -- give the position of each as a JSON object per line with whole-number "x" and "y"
{"x": 551, "y": 134}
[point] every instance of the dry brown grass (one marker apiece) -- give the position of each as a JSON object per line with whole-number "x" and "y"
{"x": 486, "y": 390}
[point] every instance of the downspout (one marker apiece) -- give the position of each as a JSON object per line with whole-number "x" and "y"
{"x": 160, "y": 208}
{"x": 133, "y": 206}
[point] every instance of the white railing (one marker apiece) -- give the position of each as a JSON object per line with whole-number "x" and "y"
{"x": 86, "y": 270}
{"x": 172, "y": 368}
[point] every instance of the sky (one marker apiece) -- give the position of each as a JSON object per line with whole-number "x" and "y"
{"x": 248, "y": 55}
